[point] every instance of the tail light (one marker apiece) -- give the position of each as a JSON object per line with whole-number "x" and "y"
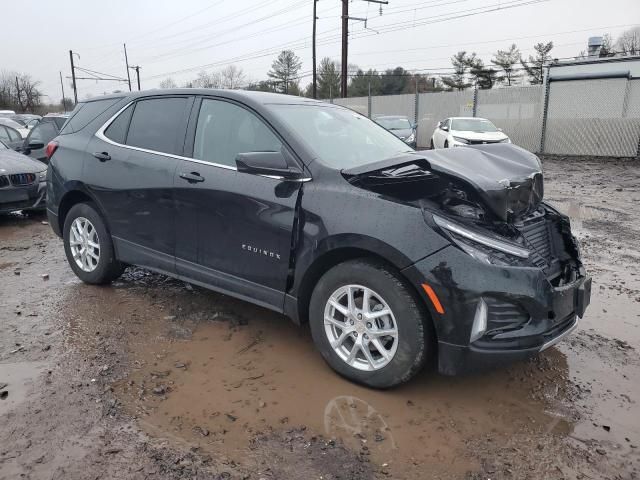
{"x": 51, "y": 149}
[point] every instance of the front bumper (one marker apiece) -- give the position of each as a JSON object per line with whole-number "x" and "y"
{"x": 525, "y": 313}
{"x": 28, "y": 197}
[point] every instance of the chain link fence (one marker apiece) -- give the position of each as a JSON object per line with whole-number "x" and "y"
{"x": 593, "y": 117}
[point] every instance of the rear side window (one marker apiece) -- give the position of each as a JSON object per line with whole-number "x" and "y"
{"x": 157, "y": 124}
{"x": 85, "y": 113}
{"x": 117, "y": 131}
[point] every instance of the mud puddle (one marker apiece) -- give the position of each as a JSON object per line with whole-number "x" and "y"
{"x": 16, "y": 380}
{"x": 219, "y": 384}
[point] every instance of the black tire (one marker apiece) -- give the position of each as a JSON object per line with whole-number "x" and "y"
{"x": 415, "y": 332}
{"x": 432, "y": 146}
{"x": 446, "y": 144}
{"x": 108, "y": 267}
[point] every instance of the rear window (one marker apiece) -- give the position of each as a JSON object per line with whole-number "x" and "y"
{"x": 85, "y": 113}
{"x": 117, "y": 131}
{"x": 156, "y": 124}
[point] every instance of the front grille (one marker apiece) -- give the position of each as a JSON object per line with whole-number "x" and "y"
{"x": 22, "y": 178}
{"x": 538, "y": 238}
{"x": 482, "y": 142}
{"x": 4, "y": 181}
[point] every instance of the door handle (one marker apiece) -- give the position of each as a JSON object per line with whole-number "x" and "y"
{"x": 193, "y": 177}
{"x": 102, "y": 156}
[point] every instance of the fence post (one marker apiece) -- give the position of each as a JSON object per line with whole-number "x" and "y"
{"x": 415, "y": 113}
{"x": 369, "y": 100}
{"x": 545, "y": 108}
{"x": 475, "y": 98}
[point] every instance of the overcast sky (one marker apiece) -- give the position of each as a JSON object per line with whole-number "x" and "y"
{"x": 177, "y": 39}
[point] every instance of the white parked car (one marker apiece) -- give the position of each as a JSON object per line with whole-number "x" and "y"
{"x": 23, "y": 131}
{"x": 463, "y": 131}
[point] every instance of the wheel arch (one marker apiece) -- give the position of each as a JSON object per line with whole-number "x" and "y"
{"x": 72, "y": 197}
{"x": 331, "y": 257}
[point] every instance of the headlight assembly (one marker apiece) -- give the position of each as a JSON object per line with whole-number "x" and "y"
{"x": 482, "y": 247}
{"x": 461, "y": 140}
{"x": 42, "y": 176}
{"x": 410, "y": 138}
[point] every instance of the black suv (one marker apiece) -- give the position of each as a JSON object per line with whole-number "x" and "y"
{"x": 396, "y": 258}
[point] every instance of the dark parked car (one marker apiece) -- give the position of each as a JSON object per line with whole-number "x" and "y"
{"x": 400, "y": 126}
{"x": 34, "y": 145}
{"x": 395, "y": 257}
{"x": 22, "y": 182}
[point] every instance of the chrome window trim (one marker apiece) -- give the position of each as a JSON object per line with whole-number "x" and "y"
{"x": 100, "y": 134}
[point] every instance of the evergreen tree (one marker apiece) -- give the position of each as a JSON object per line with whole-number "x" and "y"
{"x": 284, "y": 70}
{"x": 535, "y": 65}
{"x": 328, "y": 79}
{"x": 506, "y": 60}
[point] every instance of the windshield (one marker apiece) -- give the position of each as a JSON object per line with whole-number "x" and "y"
{"x": 394, "y": 123}
{"x": 473, "y": 125}
{"x": 3, "y": 146}
{"x": 339, "y": 137}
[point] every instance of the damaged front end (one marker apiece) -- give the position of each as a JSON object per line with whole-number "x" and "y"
{"x": 526, "y": 284}
{"x": 487, "y": 200}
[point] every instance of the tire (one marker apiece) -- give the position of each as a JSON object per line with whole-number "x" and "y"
{"x": 106, "y": 267}
{"x": 414, "y": 342}
{"x": 446, "y": 144}
{"x": 431, "y": 145}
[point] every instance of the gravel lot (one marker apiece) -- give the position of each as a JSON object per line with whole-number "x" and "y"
{"x": 153, "y": 378}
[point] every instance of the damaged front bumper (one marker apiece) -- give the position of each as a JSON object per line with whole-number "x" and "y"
{"x": 492, "y": 315}
{"x": 27, "y": 197}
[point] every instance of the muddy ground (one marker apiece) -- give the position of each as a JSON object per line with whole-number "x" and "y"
{"x": 154, "y": 378}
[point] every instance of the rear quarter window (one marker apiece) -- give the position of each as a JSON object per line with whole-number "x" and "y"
{"x": 85, "y": 113}
{"x": 157, "y": 124}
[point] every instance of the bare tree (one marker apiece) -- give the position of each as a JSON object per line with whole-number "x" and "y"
{"x": 208, "y": 80}
{"x": 19, "y": 92}
{"x": 628, "y": 42}
{"x": 168, "y": 83}
{"x": 232, "y": 77}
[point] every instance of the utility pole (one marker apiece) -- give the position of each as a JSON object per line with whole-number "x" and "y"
{"x": 345, "y": 42}
{"x": 64, "y": 104}
{"x": 315, "y": 79}
{"x": 73, "y": 76}
{"x": 137, "y": 69}
{"x": 126, "y": 61}
{"x": 345, "y": 47}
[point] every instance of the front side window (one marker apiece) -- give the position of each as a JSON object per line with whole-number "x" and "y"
{"x": 339, "y": 137}
{"x": 224, "y": 130}
{"x": 157, "y": 124}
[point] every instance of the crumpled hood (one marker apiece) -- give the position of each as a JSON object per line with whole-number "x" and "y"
{"x": 14, "y": 162}
{"x": 507, "y": 178}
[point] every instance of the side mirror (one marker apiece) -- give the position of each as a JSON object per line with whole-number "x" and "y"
{"x": 444, "y": 128}
{"x": 499, "y": 129}
{"x": 267, "y": 163}
{"x": 36, "y": 145}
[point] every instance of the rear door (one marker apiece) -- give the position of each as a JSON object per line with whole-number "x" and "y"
{"x": 234, "y": 228}
{"x": 129, "y": 169}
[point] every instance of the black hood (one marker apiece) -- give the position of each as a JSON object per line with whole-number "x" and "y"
{"x": 507, "y": 178}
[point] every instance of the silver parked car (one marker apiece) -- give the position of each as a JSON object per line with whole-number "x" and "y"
{"x": 23, "y": 183}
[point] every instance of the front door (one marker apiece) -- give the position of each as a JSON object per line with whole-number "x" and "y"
{"x": 234, "y": 229}
{"x": 129, "y": 169}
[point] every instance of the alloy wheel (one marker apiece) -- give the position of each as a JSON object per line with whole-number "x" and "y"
{"x": 84, "y": 244}
{"x": 361, "y": 327}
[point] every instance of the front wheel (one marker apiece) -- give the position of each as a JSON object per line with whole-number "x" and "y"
{"x": 446, "y": 144}
{"x": 88, "y": 246}
{"x": 431, "y": 145}
{"x": 368, "y": 325}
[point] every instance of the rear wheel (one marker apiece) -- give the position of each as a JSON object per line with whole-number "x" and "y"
{"x": 446, "y": 144}
{"x": 88, "y": 246}
{"x": 368, "y": 325}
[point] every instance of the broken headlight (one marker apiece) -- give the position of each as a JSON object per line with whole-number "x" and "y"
{"x": 485, "y": 248}
{"x": 461, "y": 140}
